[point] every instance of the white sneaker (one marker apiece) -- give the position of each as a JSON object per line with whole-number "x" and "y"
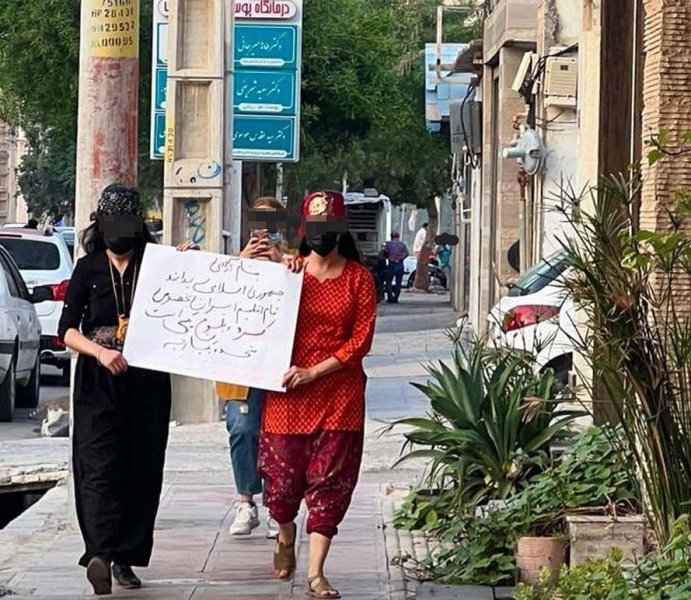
{"x": 272, "y": 529}
{"x": 246, "y": 519}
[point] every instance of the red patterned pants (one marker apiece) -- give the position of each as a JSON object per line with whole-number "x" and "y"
{"x": 322, "y": 468}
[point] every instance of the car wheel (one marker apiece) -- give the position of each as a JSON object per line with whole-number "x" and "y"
{"x": 28, "y": 396}
{"x": 8, "y": 392}
{"x": 411, "y": 280}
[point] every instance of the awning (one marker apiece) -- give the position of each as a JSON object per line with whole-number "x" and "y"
{"x": 360, "y": 198}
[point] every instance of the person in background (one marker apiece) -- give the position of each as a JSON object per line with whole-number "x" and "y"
{"x": 32, "y": 224}
{"x": 420, "y": 239}
{"x": 121, "y": 414}
{"x": 396, "y": 252}
{"x": 244, "y": 408}
{"x": 444, "y": 252}
{"x": 312, "y": 435}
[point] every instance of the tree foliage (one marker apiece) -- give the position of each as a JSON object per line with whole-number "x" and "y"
{"x": 363, "y": 97}
{"x": 39, "y": 76}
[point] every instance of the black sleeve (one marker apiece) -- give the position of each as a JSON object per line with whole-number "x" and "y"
{"x": 76, "y": 300}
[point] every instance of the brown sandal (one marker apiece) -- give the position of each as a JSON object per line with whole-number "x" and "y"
{"x": 284, "y": 557}
{"x": 319, "y": 587}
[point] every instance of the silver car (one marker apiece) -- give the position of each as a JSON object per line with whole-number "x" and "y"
{"x": 20, "y": 339}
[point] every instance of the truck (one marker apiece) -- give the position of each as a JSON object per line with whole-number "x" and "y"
{"x": 369, "y": 219}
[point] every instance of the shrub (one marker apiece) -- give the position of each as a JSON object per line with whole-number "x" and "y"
{"x": 491, "y": 422}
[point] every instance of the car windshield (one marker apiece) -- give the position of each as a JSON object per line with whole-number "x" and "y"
{"x": 32, "y": 255}
{"x": 540, "y": 276}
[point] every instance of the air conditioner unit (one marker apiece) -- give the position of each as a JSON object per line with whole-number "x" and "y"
{"x": 561, "y": 82}
{"x": 466, "y": 126}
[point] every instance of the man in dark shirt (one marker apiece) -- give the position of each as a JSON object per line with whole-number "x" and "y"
{"x": 396, "y": 252}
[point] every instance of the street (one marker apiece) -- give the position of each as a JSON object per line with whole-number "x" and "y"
{"x": 24, "y": 426}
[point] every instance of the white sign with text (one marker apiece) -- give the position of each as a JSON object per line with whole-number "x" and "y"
{"x": 214, "y": 317}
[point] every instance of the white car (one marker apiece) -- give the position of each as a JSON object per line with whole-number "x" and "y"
{"x": 68, "y": 235}
{"x": 44, "y": 260}
{"x": 20, "y": 339}
{"x": 537, "y": 317}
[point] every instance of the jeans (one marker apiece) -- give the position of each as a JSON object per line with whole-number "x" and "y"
{"x": 394, "y": 280}
{"x": 243, "y": 422}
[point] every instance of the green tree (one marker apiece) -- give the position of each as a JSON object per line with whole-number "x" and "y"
{"x": 39, "y": 74}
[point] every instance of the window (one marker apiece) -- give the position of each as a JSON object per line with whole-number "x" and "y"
{"x": 540, "y": 276}
{"x": 9, "y": 277}
{"x": 32, "y": 255}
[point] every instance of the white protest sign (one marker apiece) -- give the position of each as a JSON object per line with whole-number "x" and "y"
{"x": 214, "y": 317}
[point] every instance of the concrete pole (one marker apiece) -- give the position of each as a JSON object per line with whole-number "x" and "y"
{"x": 108, "y": 100}
{"x": 195, "y": 176}
{"x": 108, "y": 103}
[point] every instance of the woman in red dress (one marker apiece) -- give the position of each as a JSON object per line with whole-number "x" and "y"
{"x": 312, "y": 436}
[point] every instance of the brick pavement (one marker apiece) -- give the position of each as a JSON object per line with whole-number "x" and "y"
{"x": 195, "y": 558}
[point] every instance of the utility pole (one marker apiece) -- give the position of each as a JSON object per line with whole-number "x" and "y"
{"x": 107, "y": 146}
{"x": 197, "y": 159}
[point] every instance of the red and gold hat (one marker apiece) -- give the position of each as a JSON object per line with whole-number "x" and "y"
{"x": 324, "y": 207}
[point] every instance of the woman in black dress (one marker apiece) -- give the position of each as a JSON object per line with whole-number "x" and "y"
{"x": 121, "y": 414}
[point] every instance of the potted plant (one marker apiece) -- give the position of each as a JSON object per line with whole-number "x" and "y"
{"x": 542, "y": 552}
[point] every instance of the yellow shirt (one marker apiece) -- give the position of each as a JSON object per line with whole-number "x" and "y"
{"x": 230, "y": 391}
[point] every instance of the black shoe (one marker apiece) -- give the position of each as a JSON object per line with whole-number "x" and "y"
{"x": 99, "y": 576}
{"x": 125, "y": 577}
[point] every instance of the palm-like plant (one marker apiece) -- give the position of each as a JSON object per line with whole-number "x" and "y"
{"x": 491, "y": 422}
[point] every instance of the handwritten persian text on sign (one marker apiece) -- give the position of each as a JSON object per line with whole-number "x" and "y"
{"x": 214, "y": 317}
{"x": 265, "y": 9}
{"x": 113, "y": 31}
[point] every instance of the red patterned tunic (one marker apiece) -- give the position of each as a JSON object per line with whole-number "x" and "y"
{"x": 336, "y": 319}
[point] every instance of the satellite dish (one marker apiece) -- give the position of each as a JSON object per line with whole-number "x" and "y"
{"x": 529, "y": 151}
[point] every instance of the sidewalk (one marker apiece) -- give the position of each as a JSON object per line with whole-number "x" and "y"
{"x": 194, "y": 557}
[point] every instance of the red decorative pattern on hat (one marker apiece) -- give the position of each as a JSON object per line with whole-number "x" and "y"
{"x": 327, "y": 204}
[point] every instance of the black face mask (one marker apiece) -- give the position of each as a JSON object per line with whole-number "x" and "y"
{"x": 119, "y": 245}
{"x": 323, "y": 244}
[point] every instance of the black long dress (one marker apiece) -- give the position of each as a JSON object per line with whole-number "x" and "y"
{"x": 120, "y": 427}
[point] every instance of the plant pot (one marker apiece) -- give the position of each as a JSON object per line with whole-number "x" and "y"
{"x": 533, "y": 554}
{"x": 593, "y": 536}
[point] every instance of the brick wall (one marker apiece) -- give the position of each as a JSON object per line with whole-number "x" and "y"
{"x": 667, "y": 106}
{"x": 6, "y": 166}
{"x": 667, "y": 102}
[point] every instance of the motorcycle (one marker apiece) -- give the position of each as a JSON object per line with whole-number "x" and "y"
{"x": 437, "y": 277}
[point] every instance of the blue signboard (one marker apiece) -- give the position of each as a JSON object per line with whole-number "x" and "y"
{"x": 266, "y": 81}
{"x": 265, "y": 92}
{"x": 161, "y": 89}
{"x": 158, "y": 134}
{"x": 266, "y": 46}
{"x": 161, "y": 41}
{"x": 265, "y": 138}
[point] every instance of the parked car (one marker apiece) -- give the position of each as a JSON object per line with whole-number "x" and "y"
{"x": 44, "y": 260}
{"x": 437, "y": 277}
{"x": 537, "y": 317}
{"x": 20, "y": 339}
{"x": 13, "y": 225}
{"x": 67, "y": 234}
